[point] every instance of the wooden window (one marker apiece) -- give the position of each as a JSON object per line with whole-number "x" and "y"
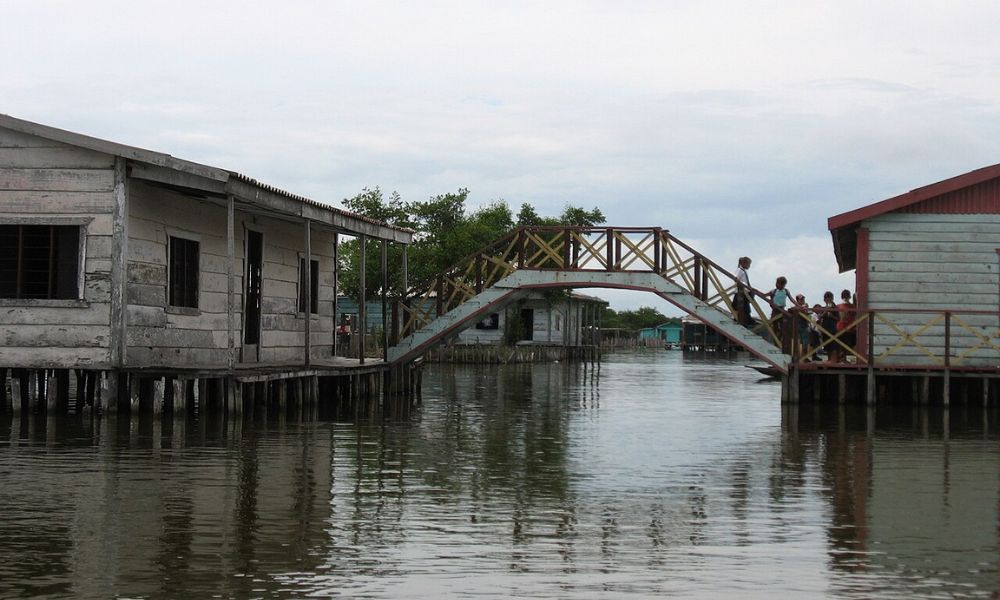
{"x": 40, "y": 261}
{"x": 313, "y": 287}
{"x": 184, "y": 268}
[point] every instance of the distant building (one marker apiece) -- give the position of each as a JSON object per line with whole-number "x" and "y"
{"x": 542, "y": 322}
{"x": 936, "y": 248}
{"x": 669, "y": 333}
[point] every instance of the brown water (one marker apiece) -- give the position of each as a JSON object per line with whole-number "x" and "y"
{"x": 656, "y": 476}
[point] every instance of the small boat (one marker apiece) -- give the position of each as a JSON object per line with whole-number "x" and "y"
{"x": 767, "y": 371}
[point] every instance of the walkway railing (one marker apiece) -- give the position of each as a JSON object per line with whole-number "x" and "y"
{"x": 901, "y": 339}
{"x": 588, "y": 249}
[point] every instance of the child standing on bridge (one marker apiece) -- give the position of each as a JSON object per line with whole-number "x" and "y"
{"x": 778, "y": 297}
{"x": 741, "y": 301}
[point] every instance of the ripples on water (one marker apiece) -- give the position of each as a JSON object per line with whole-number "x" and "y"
{"x": 656, "y": 475}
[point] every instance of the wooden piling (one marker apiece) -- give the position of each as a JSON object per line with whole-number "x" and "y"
{"x": 16, "y": 394}
{"x": 180, "y": 396}
{"x": 159, "y": 390}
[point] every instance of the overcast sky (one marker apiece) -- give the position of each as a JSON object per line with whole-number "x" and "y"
{"x": 740, "y": 126}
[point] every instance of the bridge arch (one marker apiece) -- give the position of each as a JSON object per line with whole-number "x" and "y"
{"x": 643, "y": 259}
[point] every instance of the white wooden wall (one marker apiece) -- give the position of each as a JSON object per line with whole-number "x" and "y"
{"x": 162, "y": 335}
{"x": 922, "y": 261}
{"x": 42, "y": 179}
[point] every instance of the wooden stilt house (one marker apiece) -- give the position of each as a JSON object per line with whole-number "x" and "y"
{"x": 113, "y": 257}
{"x": 927, "y": 266}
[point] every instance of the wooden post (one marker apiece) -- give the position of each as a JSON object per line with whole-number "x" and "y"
{"x": 946, "y": 391}
{"x": 231, "y": 279}
{"x": 307, "y": 293}
{"x": 385, "y": 292}
{"x": 610, "y": 248}
{"x": 16, "y": 394}
{"x": 362, "y": 310}
{"x": 925, "y": 390}
{"x": 180, "y": 396}
{"x": 336, "y": 288}
{"x": 657, "y": 267}
{"x": 134, "y": 393}
{"x": 51, "y": 393}
{"x": 34, "y": 389}
{"x": 119, "y": 253}
{"x": 841, "y": 388}
{"x": 159, "y": 389}
{"x": 521, "y": 251}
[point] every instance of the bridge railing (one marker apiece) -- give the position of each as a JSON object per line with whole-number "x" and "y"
{"x": 649, "y": 249}
{"x": 934, "y": 339}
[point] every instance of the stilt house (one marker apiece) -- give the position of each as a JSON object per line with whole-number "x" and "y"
{"x": 927, "y": 264}
{"x": 115, "y": 257}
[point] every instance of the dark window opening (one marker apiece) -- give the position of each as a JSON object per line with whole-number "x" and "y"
{"x": 490, "y": 321}
{"x": 313, "y": 286}
{"x": 40, "y": 261}
{"x": 184, "y": 264}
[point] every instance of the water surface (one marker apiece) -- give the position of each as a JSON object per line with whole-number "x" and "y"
{"x": 653, "y": 475}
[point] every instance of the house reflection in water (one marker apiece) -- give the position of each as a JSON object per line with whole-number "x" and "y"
{"x": 914, "y": 495}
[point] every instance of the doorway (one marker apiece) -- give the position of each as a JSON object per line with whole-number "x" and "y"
{"x": 252, "y": 287}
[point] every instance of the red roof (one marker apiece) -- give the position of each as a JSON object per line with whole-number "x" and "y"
{"x": 975, "y": 192}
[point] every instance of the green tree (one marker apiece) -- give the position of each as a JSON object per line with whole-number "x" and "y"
{"x": 445, "y": 233}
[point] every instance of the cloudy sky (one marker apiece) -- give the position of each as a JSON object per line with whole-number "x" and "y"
{"x": 740, "y": 126}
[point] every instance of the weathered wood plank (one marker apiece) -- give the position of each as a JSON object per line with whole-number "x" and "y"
{"x": 95, "y": 314}
{"x": 895, "y": 266}
{"x": 97, "y": 287}
{"x": 30, "y": 335}
{"x": 147, "y": 251}
{"x": 99, "y": 246}
{"x": 960, "y": 258}
{"x": 37, "y": 357}
{"x": 969, "y": 245}
{"x": 177, "y": 357}
{"x": 205, "y": 320}
{"x": 146, "y": 316}
{"x": 56, "y": 203}
{"x": 170, "y": 338}
{"x": 48, "y": 157}
{"x": 68, "y": 180}
{"x": 146, "y": 295}
{"x": 944, "y": 278}
{"x": 147, "y": 273}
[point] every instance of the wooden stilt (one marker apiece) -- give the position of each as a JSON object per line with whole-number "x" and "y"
{"x": 870, "y": 386}
{"x": 841, "y": 388}
{"x": 159, "y": 390}
{"x": 925, "y": 390}
{"x": 180, "y": 396}
{"x": 51, "y": 394}
{"x": 986, "y": 392}
{"x": 34, "y": 389}
{"x": 946, "y": 389}
{"x": 16, "y": 394}
{"x": 134, "y": 393}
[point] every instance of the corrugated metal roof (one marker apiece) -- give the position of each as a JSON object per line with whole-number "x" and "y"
{"x": 310, "y": 201}
{"x": 161, "y": 159}
{"x": 973, "y": 193}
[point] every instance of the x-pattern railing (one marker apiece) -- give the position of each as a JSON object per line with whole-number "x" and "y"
{"x": 589, "y": 249}
{"x": 904, "y": 338}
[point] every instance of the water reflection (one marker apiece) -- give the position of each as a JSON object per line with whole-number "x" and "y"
{"x": 651, "y": 475}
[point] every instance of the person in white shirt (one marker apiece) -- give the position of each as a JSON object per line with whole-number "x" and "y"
{"x": 741, "y": 301}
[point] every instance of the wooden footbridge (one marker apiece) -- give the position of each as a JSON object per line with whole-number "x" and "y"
{"x": 634, "y": 258}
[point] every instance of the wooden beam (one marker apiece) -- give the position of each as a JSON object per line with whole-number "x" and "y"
{"x": 231, "y": 279}
{"x": 385, "y": 291}
{"x": 362, "y": 313}
{"x": 336, "y": 288}
{"x": 307, "y": 292}
{"x": 119, "y": 252}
